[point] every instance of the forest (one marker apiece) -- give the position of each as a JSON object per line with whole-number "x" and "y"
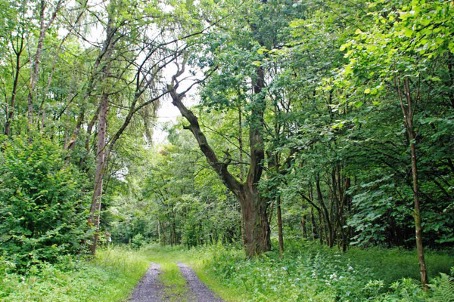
{"x": 312, "y": 159}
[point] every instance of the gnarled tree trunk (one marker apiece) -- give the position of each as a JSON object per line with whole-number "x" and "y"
{"x": 256, "y": 230}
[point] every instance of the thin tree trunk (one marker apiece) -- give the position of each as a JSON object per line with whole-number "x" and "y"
{"x": 325, "y": 212}
{"x": 314, "y": 224}
{"x": 274, "y": 165}
{"x": 240, "y": 141}
{"x": 280, "y": 233}
{"x": 43, "y": 27}
{"x": 304, "y": 225}
{"x": 345, "y": 206}
{"x": 95, "y": 209}
{"x": 12, "y": 105}
{"x": 408, "y": 108}
{"x": 101, "y": 150}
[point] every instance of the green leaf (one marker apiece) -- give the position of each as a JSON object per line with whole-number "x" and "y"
{"x": 262, "y": 50}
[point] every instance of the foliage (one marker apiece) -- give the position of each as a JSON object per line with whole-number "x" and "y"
{"x": 138, "y": 241}
{"x": 43, "y": 204}
{"x": 443, "y": 287}
{"x": 174, "y": 198}
{"x": 407, "y": 43}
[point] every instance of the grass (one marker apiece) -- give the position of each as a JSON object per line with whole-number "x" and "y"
{"x": 393, "y": 264}
{"x": 111, "y": 276}
{"x": 167, "y": 257}
{"x": 174, "y": 283}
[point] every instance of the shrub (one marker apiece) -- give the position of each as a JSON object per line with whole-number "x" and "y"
{"x": 138, "y": 241}
{"x": 43, "y": 209}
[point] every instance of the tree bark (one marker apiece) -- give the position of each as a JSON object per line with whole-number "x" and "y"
{"x": 325, "y": 213}
{"x": 280, "y": 232}
{"x": 95, "y": 210}
{"x": 256, "y": 230}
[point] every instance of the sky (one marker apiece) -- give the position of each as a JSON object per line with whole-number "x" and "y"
{"x": 166, "y": 113}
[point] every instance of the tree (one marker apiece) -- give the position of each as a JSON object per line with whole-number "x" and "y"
{"x": 238, "y": 83}
{"x": 132, "y": 57}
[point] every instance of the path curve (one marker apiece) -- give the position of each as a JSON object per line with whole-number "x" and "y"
{"x": 198, "y": 291}
{"x": 149, "y": 288}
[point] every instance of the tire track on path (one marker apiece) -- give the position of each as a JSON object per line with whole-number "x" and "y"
{"x": 198, "y": 292}
{"x": 149, "y": 288}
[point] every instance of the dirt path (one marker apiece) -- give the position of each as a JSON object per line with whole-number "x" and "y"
{"x": 150, "y": 288}
{"x": 198, "y": 292}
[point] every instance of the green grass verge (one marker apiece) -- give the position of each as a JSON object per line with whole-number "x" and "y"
{"x": 390, "y": 265}
{"x": 111, "y": 276}
{"x": 174, "y": 284}
{"x": 309, "y": 272}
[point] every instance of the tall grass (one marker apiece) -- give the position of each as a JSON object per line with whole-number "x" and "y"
{"x": 110, "y": 276}
{"x": 390, "y": 265}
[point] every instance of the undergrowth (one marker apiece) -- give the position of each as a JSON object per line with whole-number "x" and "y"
{"x": 309, "y": 272}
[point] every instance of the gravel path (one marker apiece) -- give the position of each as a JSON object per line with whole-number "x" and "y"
{"x": 149, "y": 288}
{"x": 198, "y": 292}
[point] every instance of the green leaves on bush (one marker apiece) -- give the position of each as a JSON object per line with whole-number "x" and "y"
{"x": 42, "y": 204}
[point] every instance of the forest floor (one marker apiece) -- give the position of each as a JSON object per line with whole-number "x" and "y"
{"x": 152, "y": 289}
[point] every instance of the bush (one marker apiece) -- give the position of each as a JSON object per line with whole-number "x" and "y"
{"x": 43, "y": 212}
{"x": 138, "y": 241}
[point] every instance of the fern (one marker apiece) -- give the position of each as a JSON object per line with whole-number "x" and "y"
{"x": 443, "y": 288}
